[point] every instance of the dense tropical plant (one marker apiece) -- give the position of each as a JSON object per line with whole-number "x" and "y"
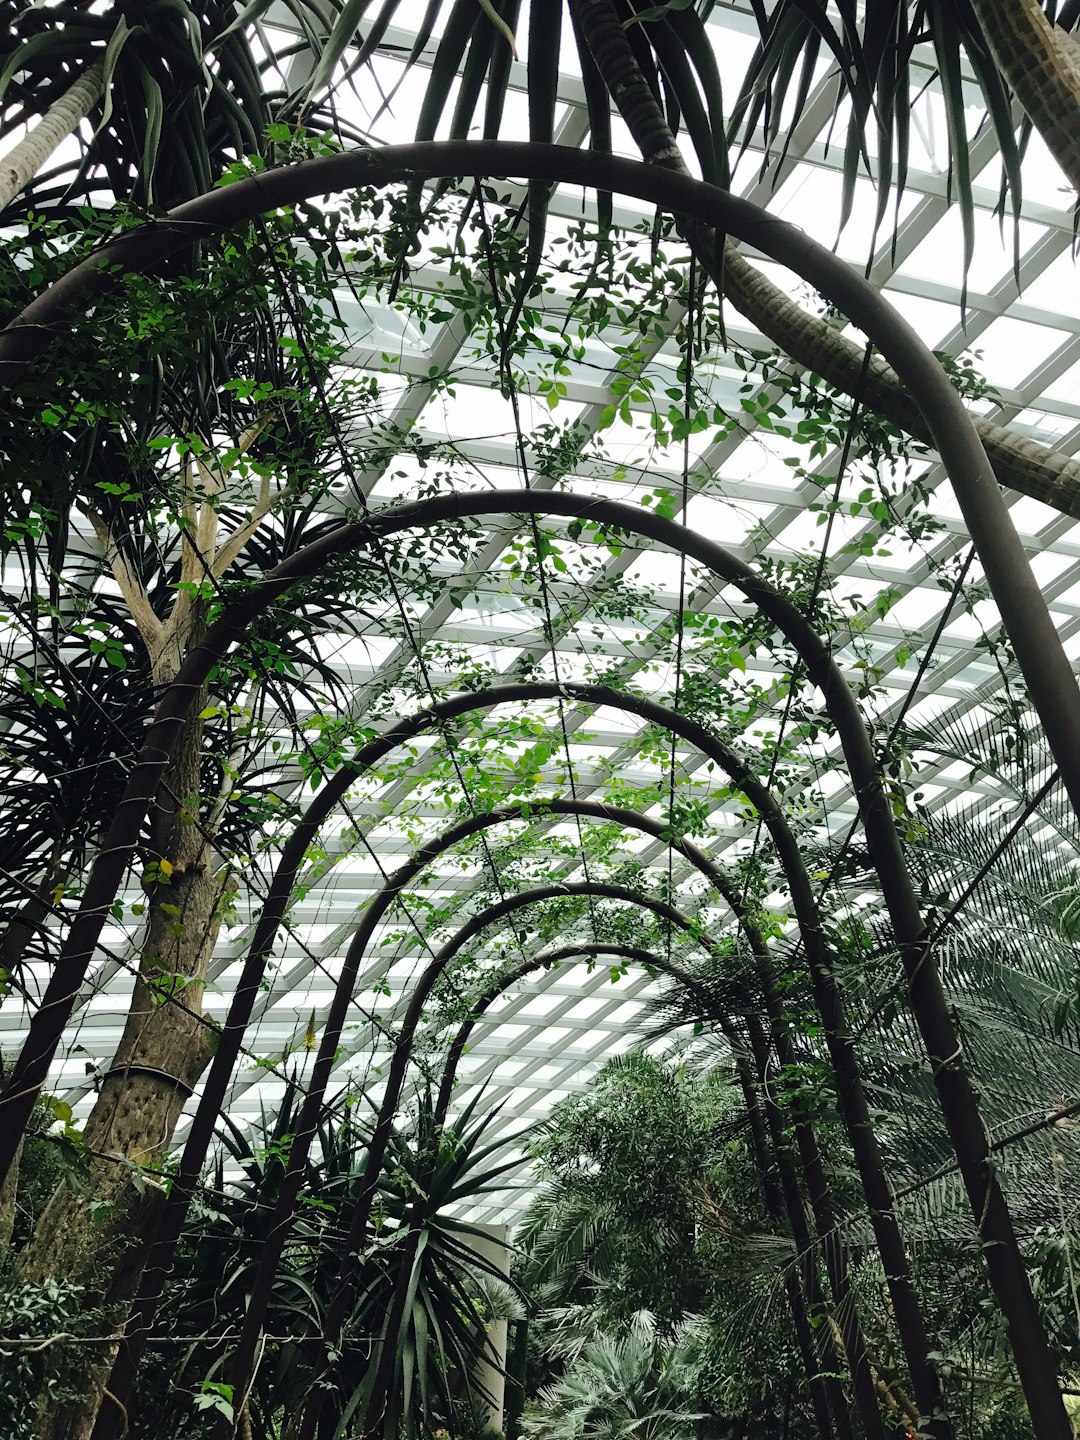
{"x": 453, "y": 1291}
{"x": 521, "y": 770}
{"x": 999, "y": 879}
{"x": 158, "y": 102}
{"x": 171, "y": 496}
{"x": 651, "y": 1220}
{"x": 618, "y": 1388}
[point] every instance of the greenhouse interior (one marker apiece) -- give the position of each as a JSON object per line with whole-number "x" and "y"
{"x": 539, "y": 729}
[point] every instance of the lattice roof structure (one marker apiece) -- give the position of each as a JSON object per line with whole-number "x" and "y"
{"x": 546, "y": 1038}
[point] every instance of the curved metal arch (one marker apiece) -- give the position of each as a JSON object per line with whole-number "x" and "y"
{"x": 1024, "y": 612}
{"x": 160, "y": 1259}
{"x": 854, "y": 1107}
{"x": 248, "y": 986}
{"x": 893, "y": 1254}
{"x": 548, "y": 960}
{"x": 955, "y": 1091}
{"x": 1027, "y": 619}
{"x": 695, "y": 734}
{"x": 928, "y": 1002}
{"x": 760, "y": 1113}
{"x": 826, "y": 1392}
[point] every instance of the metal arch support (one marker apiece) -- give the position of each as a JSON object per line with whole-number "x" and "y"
{"x": 1027, "y": 619}
{"x": 248, "y": 986}
{"x": 855, "y": 1109}
{"x": 1038, "y": 648}
{"x": 853, "y": 1104}
{"x": 160, "y": 1259}
{"x": 954, "y": 1087}
{"x": 767, "y": 1124}
{"x": 826, "y": 1392}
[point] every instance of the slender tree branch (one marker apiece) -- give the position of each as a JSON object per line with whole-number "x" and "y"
{"x": 243, "y": 533}
{"x": 61, "y": 119}
{"x": 131, "y": 587}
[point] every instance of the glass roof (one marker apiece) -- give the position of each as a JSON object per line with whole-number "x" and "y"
{"x": 611, "y": 611}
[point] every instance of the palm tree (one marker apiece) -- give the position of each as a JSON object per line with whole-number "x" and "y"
{"x": 122, "y": 79}
{"x": 651, "y": 1228}
{"x": 1008, "y": 956}
{"x": 453, "y": 1292}
{"x": 180, "y": 488}
{"x": 627, "y": 1389}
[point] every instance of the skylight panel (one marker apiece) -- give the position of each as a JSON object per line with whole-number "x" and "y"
{"x": 1008, "y": 351}
{"x": 1045, "y": 184}
{"x": 932, "y": 320}
{"x": 941, "y": 253}
{"x": 1057, "y": 288}
{"x": 811, "y": 198}
{"x": 1065, "y": 388}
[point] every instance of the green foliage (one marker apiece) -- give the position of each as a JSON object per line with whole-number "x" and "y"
{"x": 187, "y": 92}
{"x": 878, "y": 61}
{"x": 653, "y": 1203}
{"x": 646, "y": 1255}
{"x": 636, "y": 1154}
{"x": 31, "y": 1370}
{"x": 617, "y": 1388}
{"x": 427, "y": 1254}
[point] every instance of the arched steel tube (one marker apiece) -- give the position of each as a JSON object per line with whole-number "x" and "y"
{"x": 218, "y": 1077}
{"x": 826, "y": 1393}
{"x": 853, "y": 1105}
{"x": 854, "y": 1341}
{"x": 547, "y": 960}
{"x": 817, "y": 1187}
{"x": 854, "y": 1108}
{"x": 395, "y": 1080}
{"x": 857, "y": 1113}
{"x": 262, "y": 1283}
{"x": 955, "y": 1091}
{"x": 789, "y": 1200}
{"x": 1037, "y": 645}
{"x": 160, "y": 1260}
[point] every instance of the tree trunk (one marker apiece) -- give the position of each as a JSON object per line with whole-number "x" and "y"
{"x": 1024, "y": 465}
{"x": 8, "y": 1195}
{"x": 19, "y": 166}
{"x": 99, "y": 1237}
{"x": 1042, "y": 67}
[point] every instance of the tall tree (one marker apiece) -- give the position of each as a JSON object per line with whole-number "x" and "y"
{"x": 184, "y": 488}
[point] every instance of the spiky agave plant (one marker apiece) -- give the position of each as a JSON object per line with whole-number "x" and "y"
{"x": 452, "y": 1292}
